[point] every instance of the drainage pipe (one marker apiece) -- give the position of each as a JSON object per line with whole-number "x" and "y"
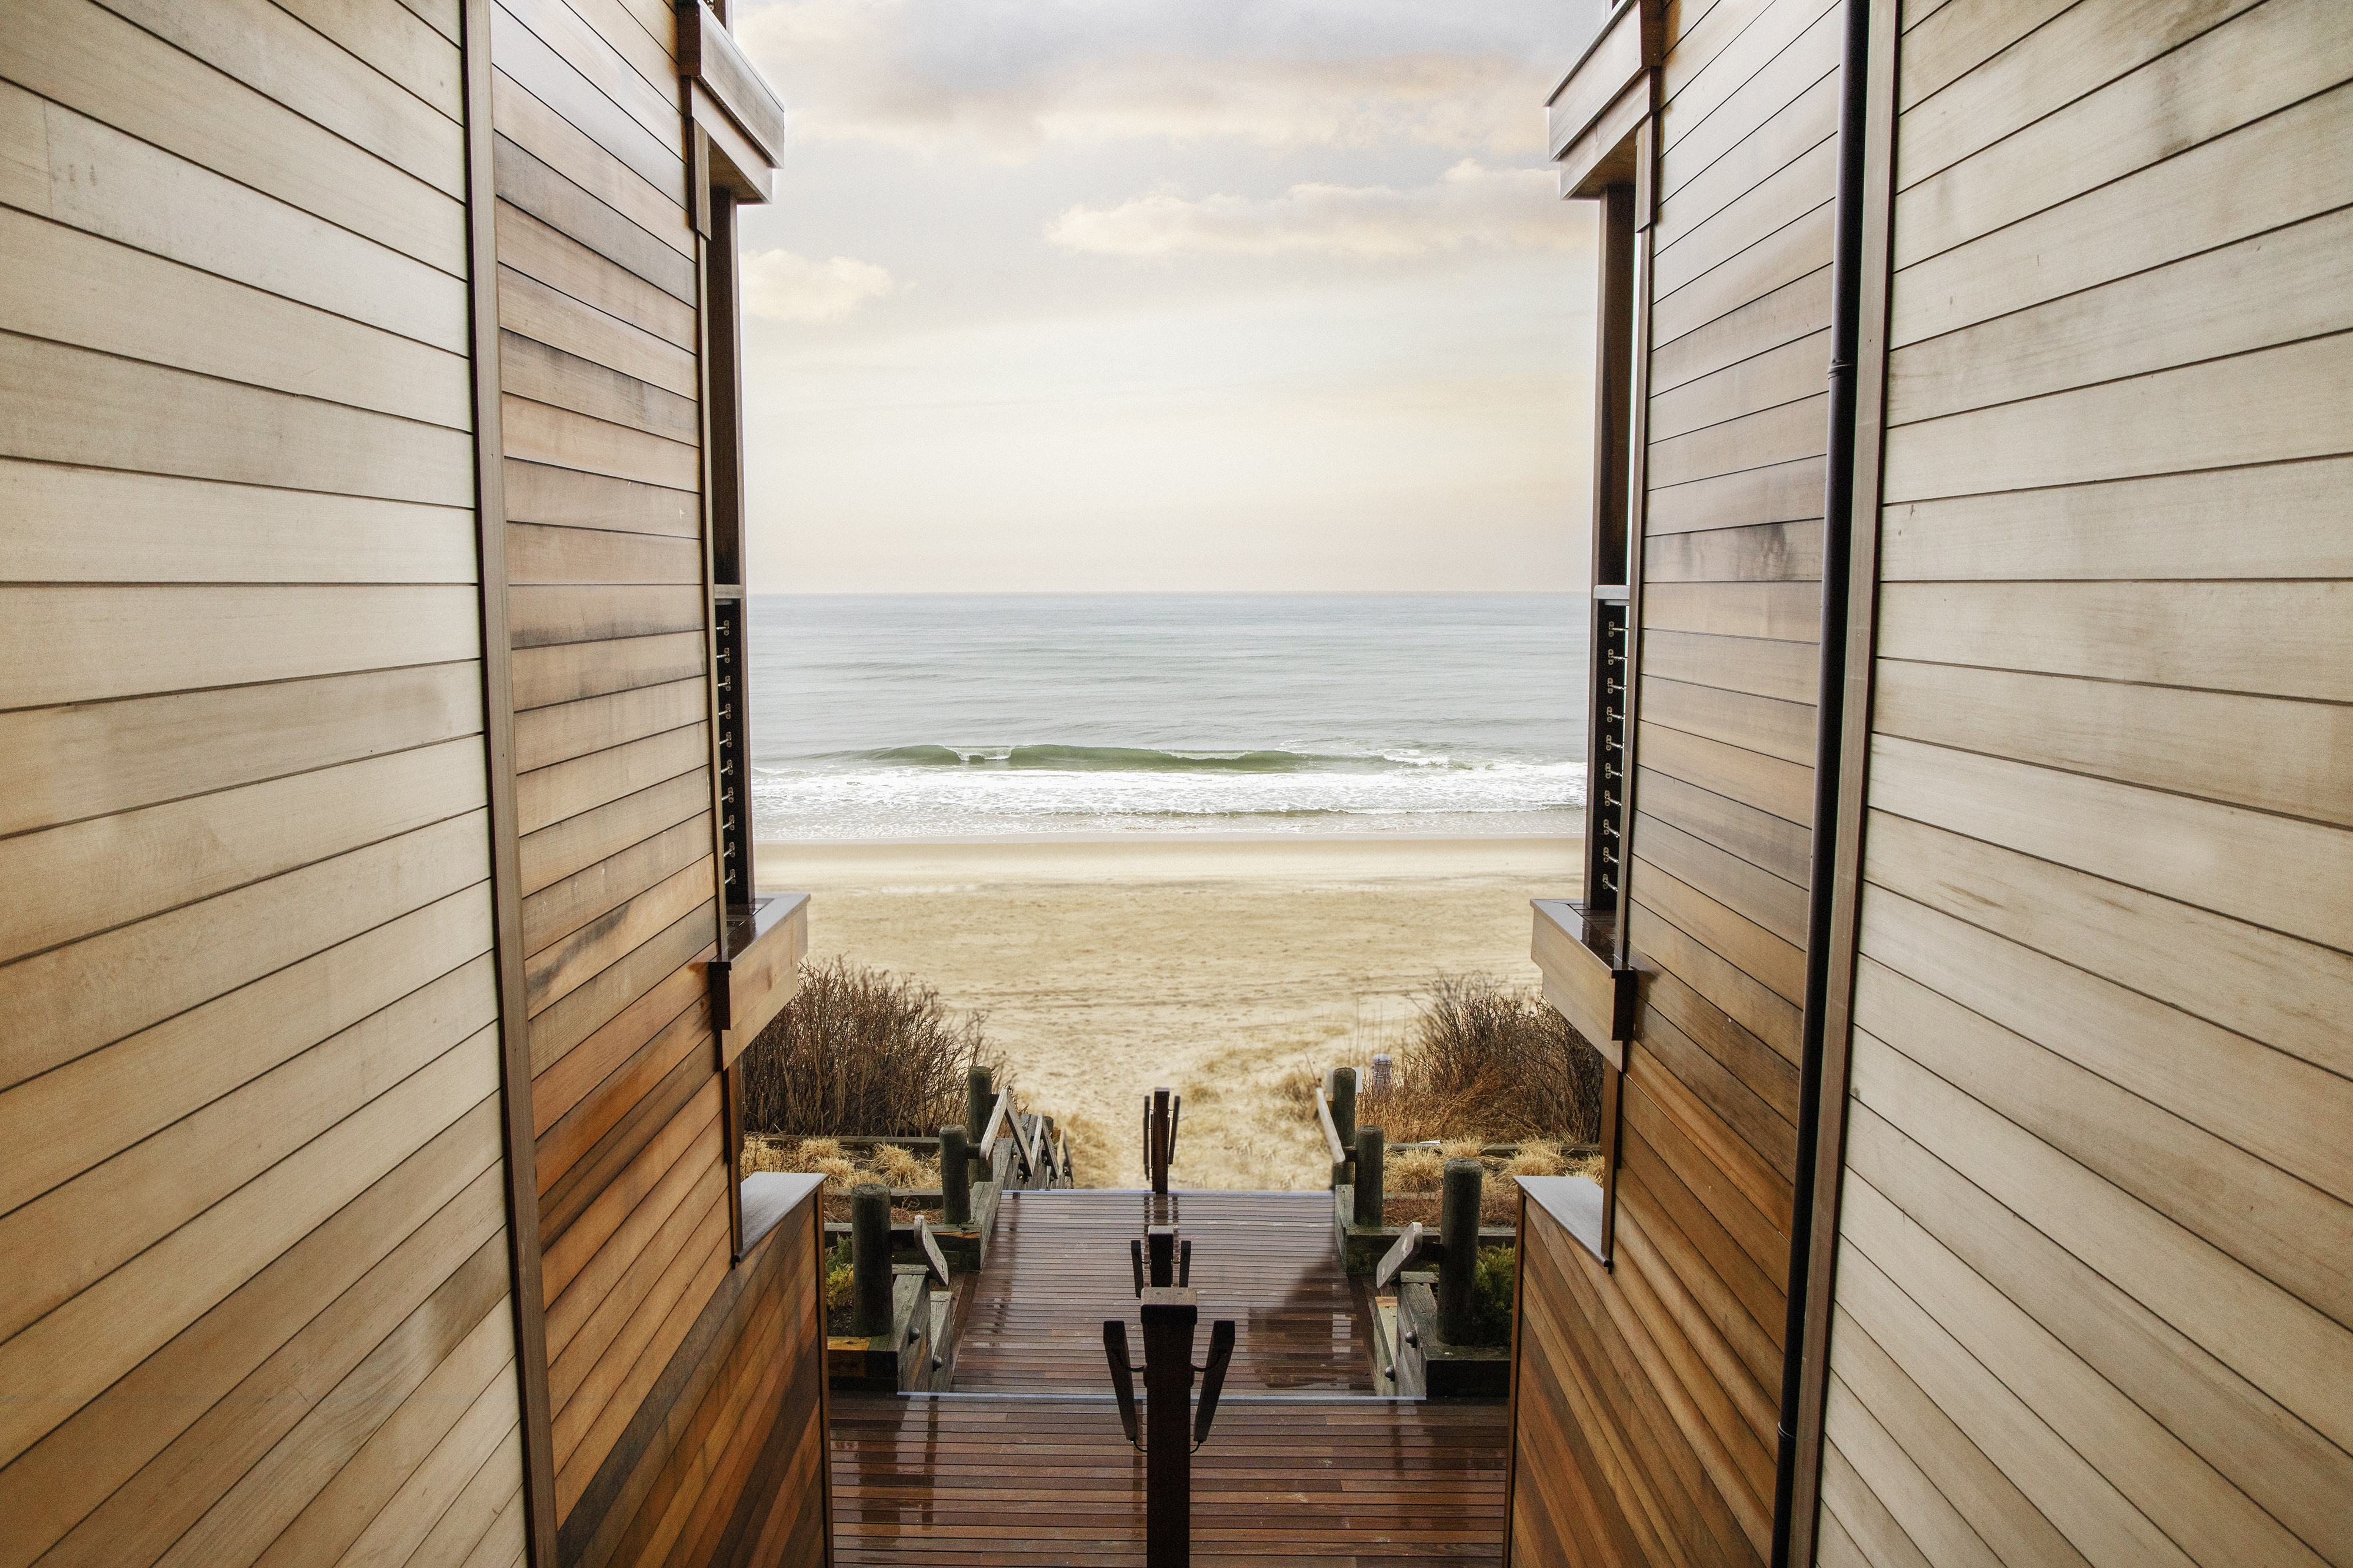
{"x": 1837, "y": 533}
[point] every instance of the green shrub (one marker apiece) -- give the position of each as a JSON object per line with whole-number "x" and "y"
{"x": 838, "y": 1279}
{"x": 1491, "y": 1296}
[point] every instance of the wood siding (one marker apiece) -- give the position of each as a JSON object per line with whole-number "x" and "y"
{"x": 2092, "y": 1297}
{"x": 253, "y": 1207}
{"x": 601, "y": 370}
{"x": 1648, "y": 1390}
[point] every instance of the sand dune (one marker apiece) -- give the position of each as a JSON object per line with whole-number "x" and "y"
{"x": 1212, "y": 966}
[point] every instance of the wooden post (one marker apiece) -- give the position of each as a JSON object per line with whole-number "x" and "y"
{"x": 1160, "y": 1254}
{"x": 979, "y": 1100}
{"x": 869, "y": 1259}
{"x": 1458, "y": 1234}
{"x": 1158, "y": 1139}
{"x": 1169, "y": 1316}
{"x": 1369, "y": 1175}
{"x": 1343, "y": 1105}
{"x": 956, "y": 1177}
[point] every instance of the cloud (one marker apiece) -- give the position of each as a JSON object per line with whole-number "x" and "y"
{"x": 1470, "y": 205}
{"x": 1004, "y": 79}
{"x": 779, "y": 285}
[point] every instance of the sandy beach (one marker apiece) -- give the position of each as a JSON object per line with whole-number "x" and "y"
{"x": 1214, "y": 966}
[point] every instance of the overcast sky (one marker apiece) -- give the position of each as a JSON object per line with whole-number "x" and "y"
{"x": 1165, "y": 294}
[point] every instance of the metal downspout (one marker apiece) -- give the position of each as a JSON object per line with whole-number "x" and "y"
{"x": 1837, "y": 529}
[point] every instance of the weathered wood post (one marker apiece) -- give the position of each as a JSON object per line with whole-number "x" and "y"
{"x": 1458, "y": 1234}
{"x": 979, "y": 1100}
{"x": 1369, "y": 1175}
{"x": 1169, "y": 1316}
{"x": 869, "y": 1259}
{"x": 956, "y": 1177}
{"x": 1343, "y": 1105}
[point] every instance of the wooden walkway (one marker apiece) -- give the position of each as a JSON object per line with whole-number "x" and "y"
{"x": 1058, "y": 1267}
{"x": 1025, "y": 1463}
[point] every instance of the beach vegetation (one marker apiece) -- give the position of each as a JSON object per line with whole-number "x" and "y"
{"x": 1487, "y": 1062}
{"x": 861, "y": 1052}
{"x": 1491, "y": 1284}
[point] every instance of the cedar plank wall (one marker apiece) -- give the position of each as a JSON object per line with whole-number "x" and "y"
{"x": 1648, "y": 1429}
{"x": 256, "y": 1299}
{"x": 656, "y": 1456}
{"x": 2092, "y": 1300}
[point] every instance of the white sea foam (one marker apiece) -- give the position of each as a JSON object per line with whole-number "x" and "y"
{"x": 942, "y": 717}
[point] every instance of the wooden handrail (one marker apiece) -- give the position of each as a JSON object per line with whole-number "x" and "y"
{"x": 996, "y": 1119}
{"x": 1331, "y": 1131}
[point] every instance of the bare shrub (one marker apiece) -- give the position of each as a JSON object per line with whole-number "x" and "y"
{"x": 1488, "y": 1062}
{"x": 860, "y": 1051}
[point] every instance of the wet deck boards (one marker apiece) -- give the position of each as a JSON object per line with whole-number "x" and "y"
{"x": 1025, "y": 1472}
{"x": 1058, "y": 1267}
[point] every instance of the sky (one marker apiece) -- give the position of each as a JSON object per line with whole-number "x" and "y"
{"x": 1164, "y": 295}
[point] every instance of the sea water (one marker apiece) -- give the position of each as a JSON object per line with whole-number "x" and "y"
{"x": 880, "y": 717}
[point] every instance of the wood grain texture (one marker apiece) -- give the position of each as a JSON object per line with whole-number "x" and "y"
{"x": 2270, "y": 754}
{"x": 1777, "y": 728}
{"x": 579, "y": 1016}
{"x": 550, "y": 794}
{"x": 542, "y": 190}
{"x": 2274, "y": 288}
{"x": 1751, "y": 778}
{"x": 565, "y": 498}
{"x": 548, "y": 556}
{"x": 86, "y": 56}
{"x": 2268, "y": 59}
{"x": 111, "y": 870}
{"x": 2219, "y": 192}
{"x": 567, "y": 672}
{"x": 61, "y": 764}
{"x": 1782, "y": 491}
{"x": 2278, "y": 638}
{"x": 601, "y": 614}
{"x": 1783, "y": 315}
{"x": 2283, "y": 1464}
{"x": 2269, "y": 986}
{"x": 68, "y": 405}
{"x": 2279, "y": 1343}
{"x": 69, "y": 285}
{"x": 2287, "y": 875}
{"x": 538, "y": 250}
{"x": 2140, "y": 528}
{"x": 173, "y": 1176}
{"x": 1784, "y": 611}
{"x": 2284, "y": 1228}
{"x": 81, "y": 1346}
{"x": 533, "y": 309}
{"x": 544, "y": 433}
{"x": 196, "y": 530}
{"x": 2272, "y": 1104}
{"x": 70, "y": 1001}
{"x": 1788, "y": 254}
{"x": 540, "y": 129}
{"x": 1786, "y": 671}
{"x": 131, "y": 1471}
{"x": 73, "y": 169}
{"x": 530, "y": 370}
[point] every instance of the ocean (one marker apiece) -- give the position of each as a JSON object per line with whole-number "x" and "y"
{"x": 941, "y": 717}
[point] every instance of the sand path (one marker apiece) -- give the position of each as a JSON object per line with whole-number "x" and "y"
{"x": 1213, "y": 967}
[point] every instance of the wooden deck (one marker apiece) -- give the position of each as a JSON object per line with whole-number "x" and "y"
{"x": 1058, "y": 1267}
{"x": 1026, "y": 1462}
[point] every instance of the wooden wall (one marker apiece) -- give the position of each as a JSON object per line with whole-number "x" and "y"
{"x": 599, "y": 284}
{"x": 252, "y": 1220}
{"x": 2093, "y": 1300}
{"x": 1669, "y": 1364}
